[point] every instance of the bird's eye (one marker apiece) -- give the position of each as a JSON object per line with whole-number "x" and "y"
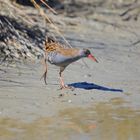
{"x": 87, "y": 52}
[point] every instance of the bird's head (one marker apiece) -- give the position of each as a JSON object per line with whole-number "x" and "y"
{"x": 87, "y": 53}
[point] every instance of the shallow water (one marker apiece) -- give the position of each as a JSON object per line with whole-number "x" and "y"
{"x": 112, "y": 120}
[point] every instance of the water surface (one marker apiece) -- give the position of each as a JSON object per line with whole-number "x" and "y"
{"x": 112, "y": 120}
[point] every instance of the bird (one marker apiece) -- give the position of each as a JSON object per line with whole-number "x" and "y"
{"x": 57, "y": 54}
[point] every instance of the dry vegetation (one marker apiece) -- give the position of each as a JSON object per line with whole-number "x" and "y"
{"x": 23, "y": 29}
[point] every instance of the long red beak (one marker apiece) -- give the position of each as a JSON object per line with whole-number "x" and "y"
{"x": 90, "y": 56}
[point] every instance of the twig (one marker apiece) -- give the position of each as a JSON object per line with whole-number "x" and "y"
{"x": 130, "y": 9}
{"x": 3, "y": 59}
{"x": 51, "y": 22}
{"x": 51, "y": 9}
{"x": 135, "y": 43}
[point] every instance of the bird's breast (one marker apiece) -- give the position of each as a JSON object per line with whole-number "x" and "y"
{"x": 60, "y": 59}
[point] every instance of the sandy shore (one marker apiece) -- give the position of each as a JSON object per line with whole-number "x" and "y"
{"x": 29, "y": 109}
{"x": 26, "y": 102}
{"x": 24, "y": 94}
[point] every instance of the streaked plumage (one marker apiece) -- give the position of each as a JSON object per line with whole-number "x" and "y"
{"x": 58, "y": 55}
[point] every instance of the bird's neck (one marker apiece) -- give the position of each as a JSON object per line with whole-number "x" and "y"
{"x": 81, "y": 53}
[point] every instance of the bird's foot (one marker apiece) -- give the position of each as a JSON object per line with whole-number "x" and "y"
{"x": 66, "y": 87}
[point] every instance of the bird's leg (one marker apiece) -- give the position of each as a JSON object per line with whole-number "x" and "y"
{"x": 61, "y": 79}
{"x": 45, "y": 73}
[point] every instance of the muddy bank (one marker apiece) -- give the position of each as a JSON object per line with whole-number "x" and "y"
{"x": 31, "y": 109}
{"x": 108, "y": 109}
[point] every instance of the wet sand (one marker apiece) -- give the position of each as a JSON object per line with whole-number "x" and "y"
{"x": 108, "y": 109}
{"x": 29, "y": 109}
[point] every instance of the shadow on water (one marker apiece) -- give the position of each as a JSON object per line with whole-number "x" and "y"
{"x": 90, "y": 86}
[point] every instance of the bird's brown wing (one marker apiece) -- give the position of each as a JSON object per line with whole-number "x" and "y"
{"x": 68, "y": 51}
{"x": 59, "y": 48}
